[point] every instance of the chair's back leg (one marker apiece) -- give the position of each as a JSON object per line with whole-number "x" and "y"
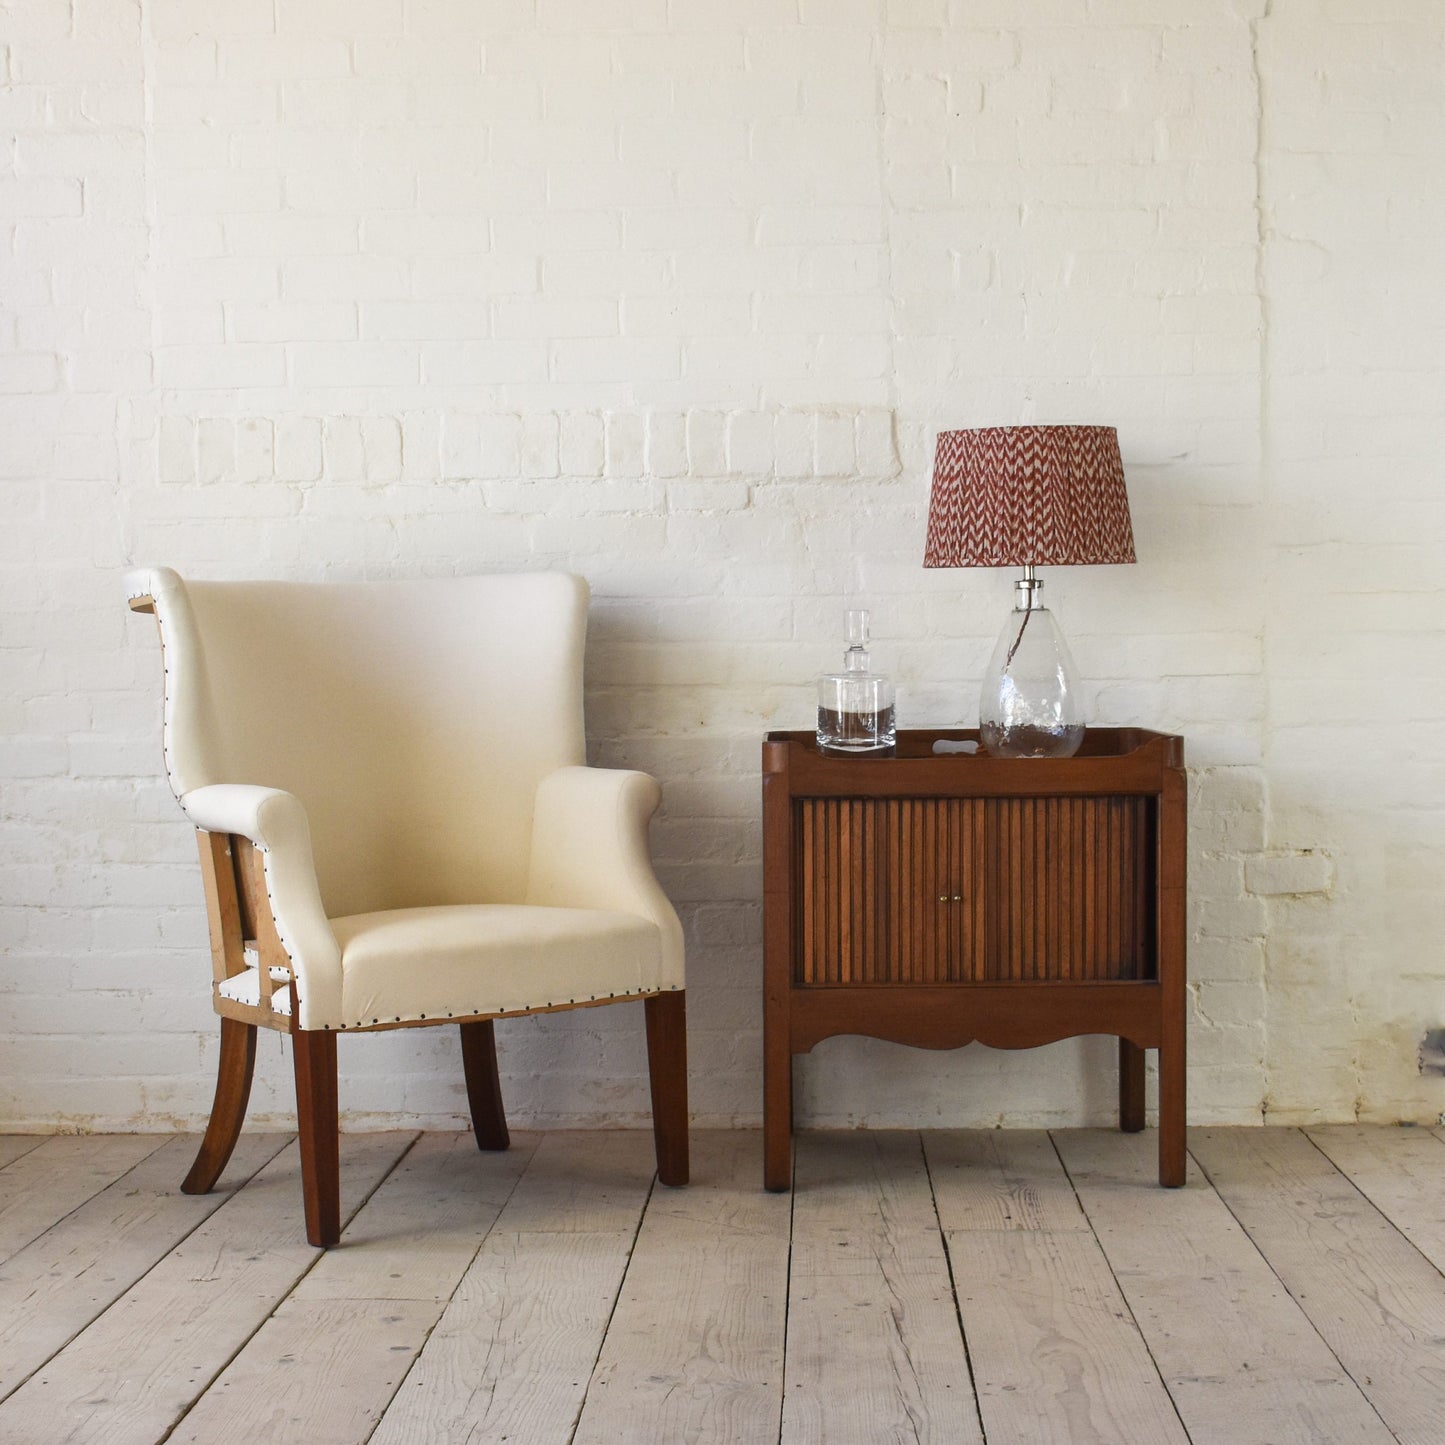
{"x": 314, "y": 1056}
{"x": 234, "y": 1071}
{"x": 667, "y": 1070}
{"x": 484, "y": 1087}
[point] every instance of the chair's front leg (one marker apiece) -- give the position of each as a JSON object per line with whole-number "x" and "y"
{"x": 234, "y": 1071}
{"x": 314, "y": 1056}
{"x": 484, "y": 1087}
{"x": 667, "y": 1070}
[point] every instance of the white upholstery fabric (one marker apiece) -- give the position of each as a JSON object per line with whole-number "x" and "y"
{"x": 414, "y": 720}
{"x": 489, "y": 958}
{"x": 415, "y": 748}
{"x": 589, "y": 850}
{"x": 246, "y": 988}
{"x": 276, "y": 823}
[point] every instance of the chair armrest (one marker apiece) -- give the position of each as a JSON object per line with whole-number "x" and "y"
{"x": 590, "y": 850}
{"x": 275, "y": 822}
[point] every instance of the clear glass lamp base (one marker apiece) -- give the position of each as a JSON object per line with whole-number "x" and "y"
{"x": 1030, "y": 705}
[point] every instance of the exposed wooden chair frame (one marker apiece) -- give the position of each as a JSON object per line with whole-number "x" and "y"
{"x": 239, "y": 913}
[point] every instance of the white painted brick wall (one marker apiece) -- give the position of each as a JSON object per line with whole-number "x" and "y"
{"x": 677, "y": 293}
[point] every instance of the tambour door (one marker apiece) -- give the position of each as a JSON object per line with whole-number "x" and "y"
{"x": 974, "y": 890}
{"x": 890, "y": 889}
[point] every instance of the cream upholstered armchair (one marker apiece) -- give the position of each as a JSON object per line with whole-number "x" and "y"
{"x": 396, "y": 828}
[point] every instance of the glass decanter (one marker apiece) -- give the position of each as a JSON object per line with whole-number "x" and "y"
{"x": 856, "y": 715}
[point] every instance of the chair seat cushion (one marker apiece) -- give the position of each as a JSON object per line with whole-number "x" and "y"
{"x": 448, "y": 962}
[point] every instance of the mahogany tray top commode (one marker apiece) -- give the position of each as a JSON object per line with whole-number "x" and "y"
{"x": 938, "y": 900}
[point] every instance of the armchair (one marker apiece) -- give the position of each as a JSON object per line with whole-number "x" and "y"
{"x": 397, "y": 829}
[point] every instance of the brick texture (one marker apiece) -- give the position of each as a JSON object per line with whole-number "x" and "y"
{"x": 678, "y": 295}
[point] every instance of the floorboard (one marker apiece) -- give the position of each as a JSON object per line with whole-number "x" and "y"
{"x": 42, "y": 1185}
{"x": 512, "y": 1353}
{"x": 133, "y": 1373}
{"x": 324, "y": 1367}
{"x": 1400, "y": 1171}
{"x": 418, "y": 1234}
{"x": 1013, "y": 1285}
{"x": 875, "y": 1351}
{"x": 1376, "y": 1300}
{"x": 13, "y": 1146}
{"x": 694, "y": 1351}
{"x": 66, "y": 1277}
{"x": 987, "y": 1179}
{"x": 1241, "y": 1360}
{"x": 320, "y": 1371}
{"x": 1056, "y": 1352}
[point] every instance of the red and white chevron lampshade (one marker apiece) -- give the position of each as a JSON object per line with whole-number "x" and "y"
{"x": 1043, "y": 496}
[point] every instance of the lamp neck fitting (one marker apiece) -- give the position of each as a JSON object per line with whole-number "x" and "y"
{"x": 1028, "y": 591}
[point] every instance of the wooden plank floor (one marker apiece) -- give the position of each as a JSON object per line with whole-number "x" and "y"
{"x": 949, "y": 1286}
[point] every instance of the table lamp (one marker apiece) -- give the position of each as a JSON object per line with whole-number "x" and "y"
{"x": 1029, "y": 496}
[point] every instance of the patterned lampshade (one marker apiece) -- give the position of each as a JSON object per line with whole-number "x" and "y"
{"x": 1012, "y": 496}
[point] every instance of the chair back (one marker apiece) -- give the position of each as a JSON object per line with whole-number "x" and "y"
{"x": 414, "y": 720}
